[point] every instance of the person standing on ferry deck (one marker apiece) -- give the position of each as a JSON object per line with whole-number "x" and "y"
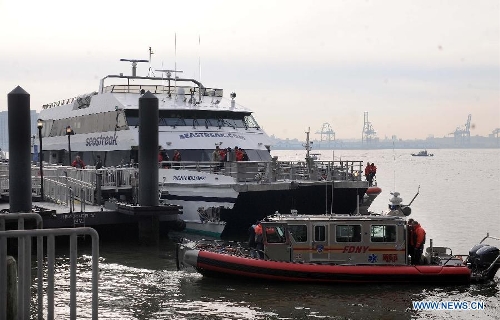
{"x": 216, "y": 158}
{"x": 98, "y": 162}
{"x": 367, "y": 174}
{"x": 373, "y": 172}
{"x": 78, "y": 163}
{"x": 177, "y": 158}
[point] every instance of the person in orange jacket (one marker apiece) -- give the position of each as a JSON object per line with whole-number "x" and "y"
{"x": 259, "y": 240}
{"x": 419, "y": 241}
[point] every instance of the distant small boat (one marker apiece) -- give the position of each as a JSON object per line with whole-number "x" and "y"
{"x": 422, "y": 153}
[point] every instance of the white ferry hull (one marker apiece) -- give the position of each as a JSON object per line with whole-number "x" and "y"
{"x": 202, "y": 195}
{"x": 211, "y": 229}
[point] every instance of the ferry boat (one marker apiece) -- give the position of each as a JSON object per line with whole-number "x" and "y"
{"x": 339, "y": 249}
{"x": 216, "y": 197}
{"x": 422, "y": 153}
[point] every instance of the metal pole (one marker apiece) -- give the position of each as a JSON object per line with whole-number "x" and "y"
{"x": 21, "y": 257}
{"x": 69, "y": 149}
{"x": 41, "y": 162}
{"x": 72, "y": 280}
{"x": 50, "y": 276}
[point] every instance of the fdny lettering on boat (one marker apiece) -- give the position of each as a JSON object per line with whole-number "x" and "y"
{"x": 355, "y": 249}
{"x": 189, "y": 178}
{"x": 101, "y": 141}
{"x": 210, "y": 135}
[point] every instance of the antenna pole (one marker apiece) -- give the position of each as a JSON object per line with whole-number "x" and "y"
{"x": 394, "y": 163}
{"x": 175, "y": 64}
{"x": 199, "y": 57}
{"x": 418, "y": 191}
{"x": 150, "y": 72}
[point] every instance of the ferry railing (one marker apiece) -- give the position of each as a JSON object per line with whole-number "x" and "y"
{"x": 115, "y": 177}
{"x": 64, "y": 184}
{"x": 267, "y": 171}
{"x": 25, "y": 267}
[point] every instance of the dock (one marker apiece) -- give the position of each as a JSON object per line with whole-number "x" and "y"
{"x": 104, "y": 199}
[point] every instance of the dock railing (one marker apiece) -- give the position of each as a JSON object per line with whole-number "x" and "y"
{"x": 24, "y": 266}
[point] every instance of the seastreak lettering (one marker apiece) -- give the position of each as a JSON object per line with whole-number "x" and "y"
{"x": 355, "y": 249}
{"x": 102, "y": 141}
{"x": 189, "y": 178}
{"x": 210, "y": 135}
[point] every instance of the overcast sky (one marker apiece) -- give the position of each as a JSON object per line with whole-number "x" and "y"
{"x": 418, "y": 67}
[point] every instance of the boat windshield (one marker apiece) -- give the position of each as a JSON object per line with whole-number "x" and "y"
{"x": 201, "y": 118}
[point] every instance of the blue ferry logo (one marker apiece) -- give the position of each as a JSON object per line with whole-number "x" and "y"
{"x": 372, "y": 258}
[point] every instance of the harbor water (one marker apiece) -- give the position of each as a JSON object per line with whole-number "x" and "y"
{"x": 457, "y": 205}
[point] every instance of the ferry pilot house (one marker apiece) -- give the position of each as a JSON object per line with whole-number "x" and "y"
{"x": 107, "y": 126}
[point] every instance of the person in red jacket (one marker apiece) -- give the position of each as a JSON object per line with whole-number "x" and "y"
{"x": 239, "y": 154}
{"x": 367, "y": 173}
{"x": 419, "y": 241}
{"x": 78, "y": 163}
{"x": 373, "y": 172}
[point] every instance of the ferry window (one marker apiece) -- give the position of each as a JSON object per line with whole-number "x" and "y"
{"x": 212, "y": 122}
{"x": 275, "y": 234}
{"x": 319, "y": 233}
{"x": 229, "y": 123}
{"x": 100, "y": 123}
{"x": 47, "y": 127}
{"x": 258, "y": 155}
{"x": 168, "y": 122}
{"x": 109, "y": 121}
{"x": 348, "y": 233}
{"x": 250, "y": 122}
{"x": 121, "y": 122}
{"x": 179, "y": 122}
{"x": 298, "y": 232}
{"x": 383, "y": 233}
{"x": 239, "y": 123}
{"x": 92, "y": 121}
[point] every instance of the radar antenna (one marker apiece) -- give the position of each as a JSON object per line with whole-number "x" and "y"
{"x": 169, "y": 76}
{"x": 134, "y": 64}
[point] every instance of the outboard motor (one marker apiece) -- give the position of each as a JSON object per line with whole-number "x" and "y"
{"x": 484, "y": 261}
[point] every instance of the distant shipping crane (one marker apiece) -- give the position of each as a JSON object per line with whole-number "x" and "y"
{"x": 496, "y": 135}
{"x": 326, "y": 133}
{"x": 462, "y": 133}
{"x": 368, "y": 134}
